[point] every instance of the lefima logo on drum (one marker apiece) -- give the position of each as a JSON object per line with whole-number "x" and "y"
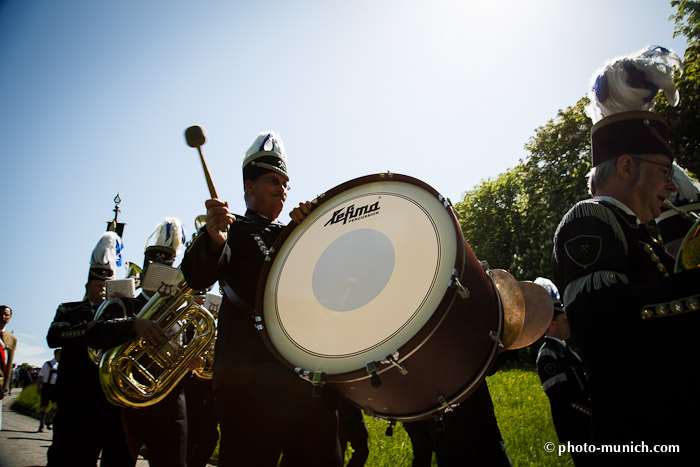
{"x": 350, "y": 214}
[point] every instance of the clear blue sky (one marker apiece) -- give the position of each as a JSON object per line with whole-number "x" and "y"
{"x": 95, "y": 97}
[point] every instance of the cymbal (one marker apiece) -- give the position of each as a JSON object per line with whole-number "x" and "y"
{"x": 513, "y": 303}
{"x": 539, "y": 310}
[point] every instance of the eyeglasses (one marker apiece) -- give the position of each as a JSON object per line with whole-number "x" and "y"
{"x": 274, "y": 181}
{"x": 669, "y": 168}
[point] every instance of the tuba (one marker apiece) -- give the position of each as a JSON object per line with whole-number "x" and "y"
{"x": 136, "y": 374}
{"x": 205, "y": 371}
{"x": 688, "y": 256}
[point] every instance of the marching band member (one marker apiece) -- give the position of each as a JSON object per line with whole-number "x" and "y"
{"x": 264, "y": 408}
{"x": 85, "y": 423}
{"x": 161, "y": 427}
{"x": 634, "y": 319}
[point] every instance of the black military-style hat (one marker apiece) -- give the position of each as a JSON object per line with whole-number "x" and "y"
{"x": 636, "y": 132}
{"x": 622, "y": 102}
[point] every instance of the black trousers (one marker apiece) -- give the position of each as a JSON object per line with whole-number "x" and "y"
{"x": 256, "y": 432}
{"x": 85, "y": 427}
{"x": 202, "y": 421}
{"x": 162, "y": 427}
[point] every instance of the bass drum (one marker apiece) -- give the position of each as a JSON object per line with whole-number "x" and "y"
{"x": 377, "y": 295}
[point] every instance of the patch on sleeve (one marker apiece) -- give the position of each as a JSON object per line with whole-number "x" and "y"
{"x": 584, "y": 250}
{"x": 550, "y": 368}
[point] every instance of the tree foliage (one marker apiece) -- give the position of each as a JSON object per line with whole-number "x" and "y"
{"x": 510, "y": 221}
{"x": 684, "y": 120}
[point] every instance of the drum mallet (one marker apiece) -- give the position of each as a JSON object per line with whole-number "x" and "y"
{"x": 195, "y": 138}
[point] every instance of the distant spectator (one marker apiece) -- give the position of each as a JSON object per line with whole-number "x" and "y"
{"x": 14, "y": 382}
{"x": 8, "y": 344}
{"x": 45, "y": 388}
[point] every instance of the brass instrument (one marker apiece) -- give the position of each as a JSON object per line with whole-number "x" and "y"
{"x": 688, "y": 256}
{"x": 205, "y": 371}
{"x": 136, "y": 374}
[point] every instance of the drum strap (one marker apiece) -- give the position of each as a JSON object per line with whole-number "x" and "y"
{"x": 236, "y": 300}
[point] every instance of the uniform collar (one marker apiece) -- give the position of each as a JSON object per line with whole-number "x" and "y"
{"x": 619, "y": 204}
{"x": 556, "y": 340}
{"x": 259, "y": 218}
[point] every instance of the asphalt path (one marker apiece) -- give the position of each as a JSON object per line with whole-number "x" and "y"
{"x": 20, "y": 444}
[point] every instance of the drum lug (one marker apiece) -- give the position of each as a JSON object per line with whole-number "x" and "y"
{"x": 371, "y": 368}
{"x": 258, "y": 323}
{"x": 393, "y": 359}
{"x": 454, "y": 282}
{"x": 445, "y": 201}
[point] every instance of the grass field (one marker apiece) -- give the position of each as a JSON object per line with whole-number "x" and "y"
{"x": 522, "y": 411}
{"x": 523, "y": 415}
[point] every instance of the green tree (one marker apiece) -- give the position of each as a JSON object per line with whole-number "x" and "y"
{"x": 510, "y": 221}
{"x": 684, "y": 120}
{"x": 489, "y": 223}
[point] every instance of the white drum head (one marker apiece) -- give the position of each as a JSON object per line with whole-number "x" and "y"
{"x": 359, "y": 276}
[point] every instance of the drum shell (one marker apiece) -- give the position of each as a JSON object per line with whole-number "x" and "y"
{"x": 444, "y": 361}
{"x": 447, "y": 360}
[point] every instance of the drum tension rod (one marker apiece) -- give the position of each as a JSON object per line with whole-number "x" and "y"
{"x": 454, "y": 282}
{"x": 393, "y": 359}
{"x": 316, "y": 380}
{"x": 494, "y": 337}
{"x": 445, "y": 405}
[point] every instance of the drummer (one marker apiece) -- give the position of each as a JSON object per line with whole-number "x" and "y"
{"x": 264, "y": 408}
{"x": 634, "y": 319}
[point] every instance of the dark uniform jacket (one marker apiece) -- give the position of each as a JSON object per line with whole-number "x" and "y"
{"x": 242, "y": 358}
{"x": 68, "y": 330}
{"x": 82, "y": 406}
{"x": 566, "y": 385}
{"x": 636, "y": 322}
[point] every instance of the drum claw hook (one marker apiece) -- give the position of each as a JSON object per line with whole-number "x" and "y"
{"x": 454, "y": 282}
{"x": 393, "y": 359}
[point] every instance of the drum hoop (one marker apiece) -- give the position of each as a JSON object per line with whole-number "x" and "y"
{"x": 432, "y": 323}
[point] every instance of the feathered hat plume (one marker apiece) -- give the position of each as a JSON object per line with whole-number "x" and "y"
{"x": 106, "y": 256}
{"x": 630, "y": 83}
{"x": 168, "y": 237}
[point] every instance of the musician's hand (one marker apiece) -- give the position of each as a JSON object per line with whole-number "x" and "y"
{"x": 300, "y": 212}
{"x": 218, "y": 220}
{"x": 148, "y": 330}
{"x": 195, "y": 363}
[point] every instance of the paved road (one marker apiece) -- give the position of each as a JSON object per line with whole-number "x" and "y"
{"x": 20, "y": 444}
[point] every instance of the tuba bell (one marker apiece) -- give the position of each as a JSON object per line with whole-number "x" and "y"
{"x": 688, "y": 256}
{"x": 136, "y": 374}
